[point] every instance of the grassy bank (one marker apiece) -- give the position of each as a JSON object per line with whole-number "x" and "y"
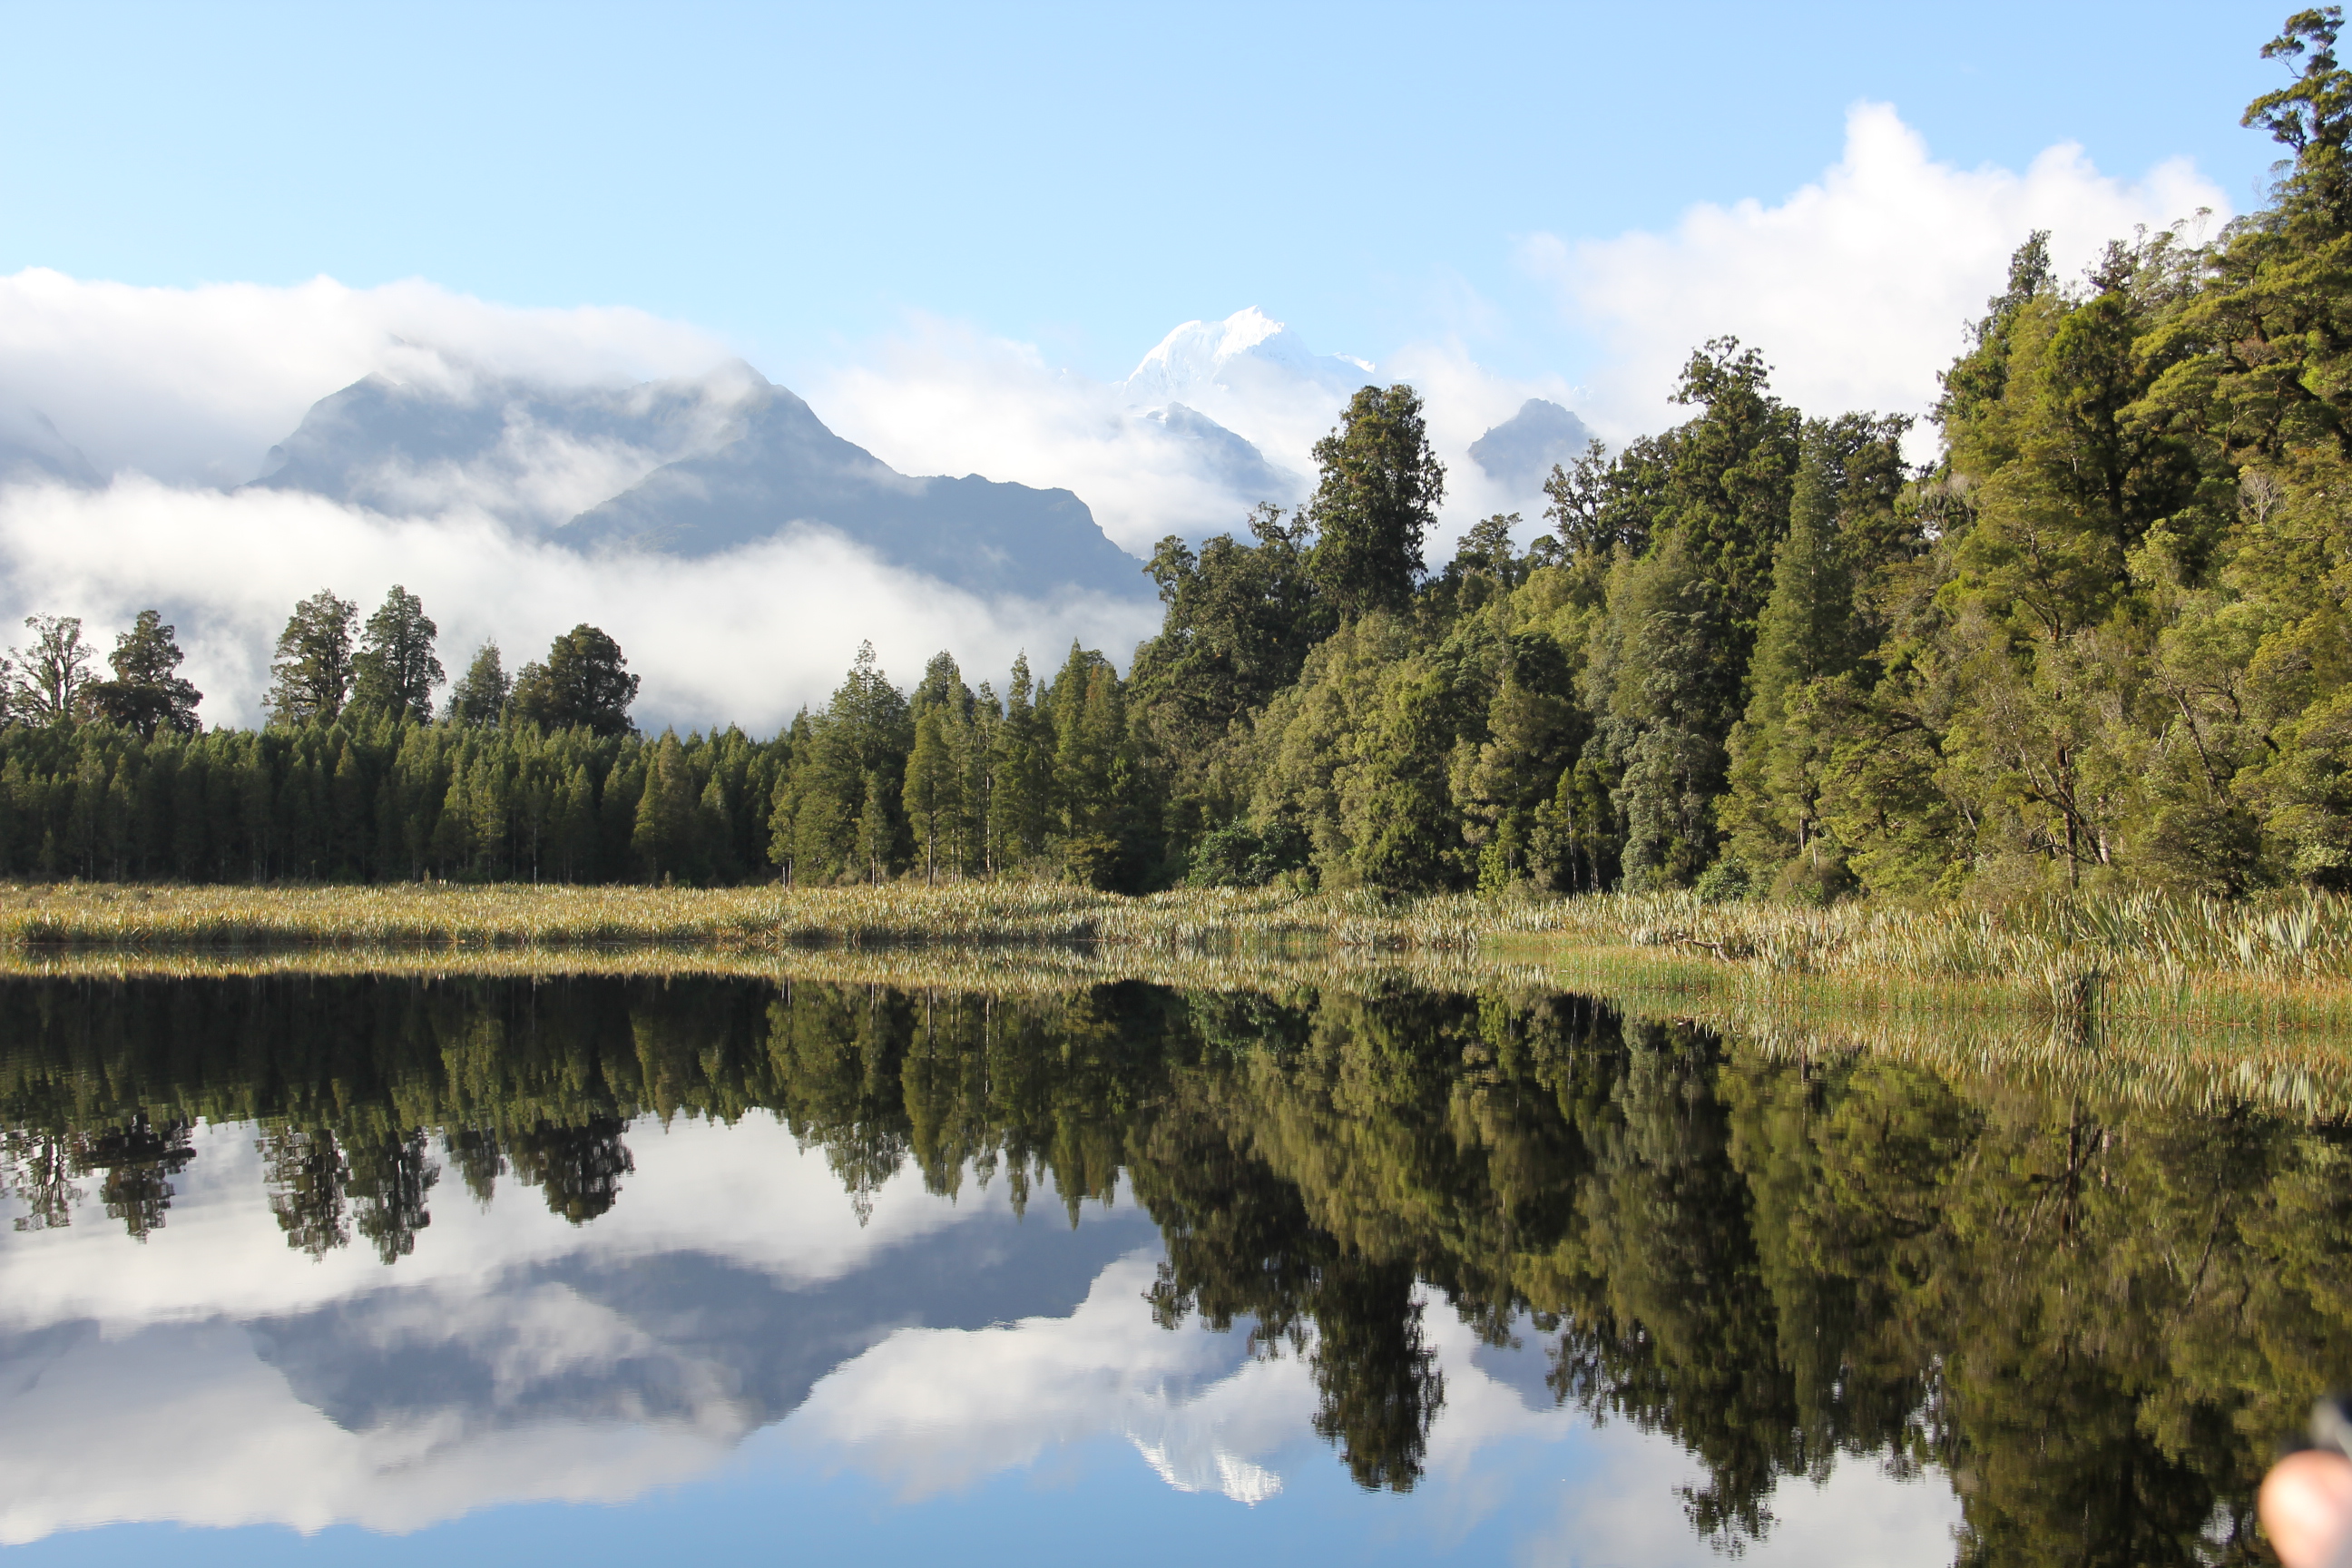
{"x": 1007, "y": 968}
{"x": 97, "y": 915}
{"x": 2164, "y": 1002}
{"x": 2253, "y": 965}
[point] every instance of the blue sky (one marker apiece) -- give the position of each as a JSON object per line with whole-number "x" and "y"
{"x": 796, "y": 179}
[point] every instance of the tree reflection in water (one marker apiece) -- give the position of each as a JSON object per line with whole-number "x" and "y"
{"x": 2092, "y": 1316}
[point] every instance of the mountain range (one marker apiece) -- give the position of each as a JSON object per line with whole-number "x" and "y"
{"x": 686, "y": 467}
{"x": 693, "y": 467}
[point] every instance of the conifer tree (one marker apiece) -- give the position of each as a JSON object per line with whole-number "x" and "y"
{"x": 1377, "y": 495}
{"x": 877, "y": 834}
{"x": 479, "y": 697}
{"x": 1020, "y": 795}
{"x": 394, "y": 670}
{"x": 663, "y": 838}
{"x": 310, "y": 677}
{"x": 584, "y": 684}
{"x": 147, "y": 694}
{"x": 1807, "y": 633}
{"x": 976, "y": 748}
{"x": 933, "y": 790}
{"x": 51, "y": 676}
{"x": 573, "y": 830}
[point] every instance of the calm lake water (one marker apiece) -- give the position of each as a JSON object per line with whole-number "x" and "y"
{"x": 615, "y": 1271}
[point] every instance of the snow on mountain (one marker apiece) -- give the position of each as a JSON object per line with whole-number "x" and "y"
{"x": 1253, "y": 378}
{"x": 1207, "y": 361}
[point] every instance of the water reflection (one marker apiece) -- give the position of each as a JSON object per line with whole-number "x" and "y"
{"x": 453, "y": 1244}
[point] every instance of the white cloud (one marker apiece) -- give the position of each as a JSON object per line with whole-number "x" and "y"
{"x": 746, "y": 636}
{"x": 945, "y": 399}
{"x": 1623, "y": 1510}
{"x": 1465, "y": 400}
{"x": 127, "y": 1349}
{"x": 926, "y": 1409}
{"x": 215, "y": 1326}
{"x": 195, "y": 384}
{"x": 1856, "y": 286}
{"x": 747, "y": 1192}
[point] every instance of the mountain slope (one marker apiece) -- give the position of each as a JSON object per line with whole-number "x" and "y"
{"x": 786, "y": 467}
{"x": 689, "y": 468}
{"x": 527, "y": 453}
{"x": 1521, "y": 451}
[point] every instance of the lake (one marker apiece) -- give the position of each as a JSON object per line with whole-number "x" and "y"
{"x": 611, "y": 1270}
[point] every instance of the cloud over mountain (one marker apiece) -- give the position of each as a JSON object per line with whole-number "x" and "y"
{"x": 466, "y": 438}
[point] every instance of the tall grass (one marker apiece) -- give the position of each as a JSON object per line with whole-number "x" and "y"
{"x": 2200, "y": 1003}
{"x": 2260, "y": 963}
{"x": 966, "y": 914}
{"x": 1012, "y": 969}
{"x": 2281, "y": 963}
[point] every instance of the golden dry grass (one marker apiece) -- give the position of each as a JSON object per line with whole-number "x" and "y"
{"x": 509, "y": 914}
{"x": 2260, "y": 965}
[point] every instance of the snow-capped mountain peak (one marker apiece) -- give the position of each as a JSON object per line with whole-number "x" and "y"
{"x": 1199, "y": 358}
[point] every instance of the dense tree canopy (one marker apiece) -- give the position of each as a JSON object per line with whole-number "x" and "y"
{"x": 583, "y": 684}
{"x": 394, "y": 670}
{"x": 147, "y": 693}
{"x": 310, "y": 676}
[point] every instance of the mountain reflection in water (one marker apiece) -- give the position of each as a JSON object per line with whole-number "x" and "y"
{"x": 496, "y": 1240}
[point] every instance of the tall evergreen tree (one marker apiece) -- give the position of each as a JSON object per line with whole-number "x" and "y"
{"x": 932, "y": 797}
{"x": 394, "y": 671}
{"x": 1812, "y": 629}
{"x": 310, "y": 676}
{"x": 480, "y": 695}
{"x": 147, "y": 694}
{"x": 877, "y": 835}
{"x": 584, "y": 684}
{"x": 1377, "y": 497}
{"x": 1020, "y": 798}
{"x": 52, "y": 672}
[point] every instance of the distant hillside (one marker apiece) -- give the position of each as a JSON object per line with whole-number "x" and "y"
{"x": 686, "y": 467}
{"x": 786, "y": 467}
{"x": 1521, "y": 451}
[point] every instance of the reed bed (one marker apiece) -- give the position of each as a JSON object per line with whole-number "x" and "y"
{"x": 2204, "y": 1005}
{"x": 2259, "y": 965}
{"x": 967, "y": 914}
{"x": 1004, "y": 969}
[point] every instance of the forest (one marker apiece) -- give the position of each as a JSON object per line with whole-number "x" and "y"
{"x": 2099, "y": 642}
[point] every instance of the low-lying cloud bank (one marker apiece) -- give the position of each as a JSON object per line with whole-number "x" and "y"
{"x": 193, "y": 386}
{"x": 745, "y": 638}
